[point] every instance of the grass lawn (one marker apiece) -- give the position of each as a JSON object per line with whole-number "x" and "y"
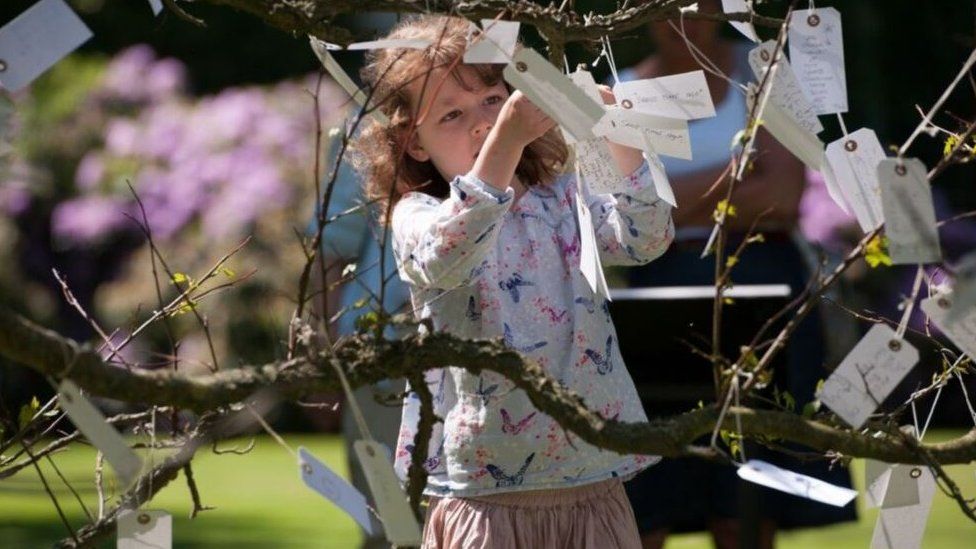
{"x": 262, "y": 503}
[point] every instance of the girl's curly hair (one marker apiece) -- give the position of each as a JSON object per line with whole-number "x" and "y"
{"x": 379, "y": 151}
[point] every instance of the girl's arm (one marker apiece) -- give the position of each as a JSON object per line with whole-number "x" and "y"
{"x": 442, "y": 244}
{"x": 632, "y": 227}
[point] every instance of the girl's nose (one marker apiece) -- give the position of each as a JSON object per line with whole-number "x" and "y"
{"x": 482, "y": 128}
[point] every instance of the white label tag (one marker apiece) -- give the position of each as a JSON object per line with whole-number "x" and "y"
{"x": 909, "y": 214}
{"x": 156, "y": 5}
{"x": 903, "y": 527}
{"x": 684, "y": 96}
{"x": 876, "y": 476}
{"x": 331, "y": 66}
{"x": 662, "y": 186}
{"x": 771, "y": 476}
{"x": 833, "y": 187}
{"x": 744, "y": 27}
{"x": 144, "y": 529}
{"x": 668, "y": 136}
{"x": 37, "y": 39}
{"x": 391, "y": 503}
{"x": 409, "y": 43}
{"x": 589, "y": 253}
{"x": 804, "y": 144}
{"x": 962, "y": 332}
{"x": 103, "y": 436}
{"x": 785, "y": 92}
{"x": 317, "y": 476}
{"x": 902, "y": 489}
{"x": 597, "y": 166}
{"x": 854, "y": 162}
{"x": 496, "y": 43}
{"x": 584, "y": 81}
{"x": 868, "y": 374}
{"x": 554, "y": 93}
{"x": 817, "y": 55}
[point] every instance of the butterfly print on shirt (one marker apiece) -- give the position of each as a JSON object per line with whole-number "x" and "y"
{"x": 503, "y": 480}
{"x": 473, "y": 312}
{"x": 510, "y": 341}
{"x": 512, "y": 285}
{"x": 485, "y": 392}
{"x": 514, "y": 428}
{"x": 603, "y": 363}
{"x": 432, "y": 462}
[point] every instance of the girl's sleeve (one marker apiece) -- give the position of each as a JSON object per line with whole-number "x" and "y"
{"x": 442, "y": 243}
{"x": 632, "y": 227}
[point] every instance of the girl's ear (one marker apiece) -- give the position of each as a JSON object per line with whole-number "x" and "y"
{"x": 415, "y": 150}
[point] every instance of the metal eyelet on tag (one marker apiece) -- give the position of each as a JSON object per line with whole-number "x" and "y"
{"x": 66, "y": 397}
{"x": 915, "y": 472}
{"x": 369, "y": 450}
{"x": 626, "y": 104}
{"x": 813, "y": 20}
{"x": 521, "y": 66}
{"x": 894, "y": 345}
{"x": 307, "y": 469}
{"x": 850, "y": 145}
{"x": 943, "y": 303}
{"x": 3, "y": 65}
{"x": 144, "y": 518}
{"x": 900, "y": 169}
{"x": 764, "y": 55}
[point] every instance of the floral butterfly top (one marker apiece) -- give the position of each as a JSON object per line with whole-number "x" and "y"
{"x": 481, "y": 265}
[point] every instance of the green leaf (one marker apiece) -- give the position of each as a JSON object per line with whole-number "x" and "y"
{"x": 876, "y": 252}
{"x": 788, "y": 401}
{"x": 227, "y": 272}
{"x": 180, "y": 278}
{"x": 27, "y": 412}
{"x": 811, "y": 408}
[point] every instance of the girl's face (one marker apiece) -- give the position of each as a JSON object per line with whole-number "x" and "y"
{"x": 457, "y": 121}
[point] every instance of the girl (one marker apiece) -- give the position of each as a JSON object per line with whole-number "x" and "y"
{"x": 485, "y": 232}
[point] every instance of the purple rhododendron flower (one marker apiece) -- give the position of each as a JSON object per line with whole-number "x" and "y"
{"x": 87, "y": 219}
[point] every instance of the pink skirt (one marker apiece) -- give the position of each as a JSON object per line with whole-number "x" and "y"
{"x": 592, "y": 516}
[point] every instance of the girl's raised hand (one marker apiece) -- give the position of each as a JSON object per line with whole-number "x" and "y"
{"x": 521, "y": 122}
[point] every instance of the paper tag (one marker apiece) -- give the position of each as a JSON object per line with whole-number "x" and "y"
{"x": 156, "y": 5}
{"x": 409, "y": 43}
{"x": 668, "y": 136}
{"x": 771, "y": 476}
{"x": 833, "y": 187}
{"x": 662, "y": 186}
{"x": 554, "y": 93}
{"x": 902, "y": 488}
{"x": 103, "y": 436}
{"x": 589, "y": 252}
{"x": 903, "y": 527}
{"x": 784, "y": 128}
{"x": 817, "y": 55}
{"x": 496, "y": 43}
{"x": 744, "y": 27}
{"x": 964, "y": 288}
{"x": 868, "y": 374}
{"x": 785, "y": 92}
{"x": 144, "y": 529}
{"x": 317, "y": 476}
{"x": 584, "y": 81}
{"x": 37, "y": 39}
{"x": 876, "y": 476}
{"x": 331, "y": 66}
{"x": 391, "y": 503}
{"x": 961, "y": 332}
{"x": 683, "y": 96}
{"x": 598, "y": 167}
{"x": 909, "y": 214}
{"x": 853, "y": 161}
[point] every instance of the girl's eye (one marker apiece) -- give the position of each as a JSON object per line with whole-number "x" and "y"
{"x": 451, "y": 115}
{"x": 491, "y": 100}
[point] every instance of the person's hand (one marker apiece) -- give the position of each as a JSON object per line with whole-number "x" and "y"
{"x": 607, "y": 94}
{"x": 520, "y": 122}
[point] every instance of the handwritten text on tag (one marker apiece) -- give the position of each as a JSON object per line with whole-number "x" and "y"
{"x": 317, "y": 476}
{"x": 868, "y": 374}
{"x": 785, "y": 92}
{"x": 145, "y": 529}
{"x": 103, "y": 436}
{"x": 37, "y": 39}
{"x": 804, "y": 144}
{"x": 854, "y": 162}
{"x": 817, "y": 55}
{"x": 598, "y": 167}
{"x": 398, "y": 521}
{"x": 684, "y": 96}
{"x": 494, "y": 44}
{"x": 909, "y": 214}
{"x": 554, "y": 93}
{"x": 771, "y": 476}
{"x": 668, "y": 136}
